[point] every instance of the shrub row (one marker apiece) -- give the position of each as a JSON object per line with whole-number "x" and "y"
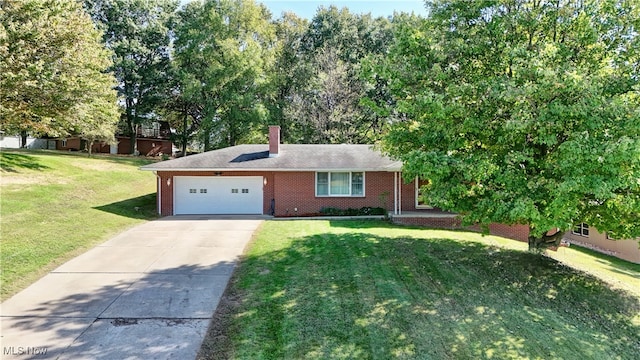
{"x": 330, "y": 211}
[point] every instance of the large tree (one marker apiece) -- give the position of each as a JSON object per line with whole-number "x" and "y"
{"x": 523, "y": 112}
{"x": 138, "y": 32}
{"x": 286, "y": 75}
{"x": 324, "y": 102}
{"x": 222, "y": 48}
{"x": 53, "y": 71}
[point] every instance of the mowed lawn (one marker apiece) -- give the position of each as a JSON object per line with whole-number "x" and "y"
{"x": 56, "y": 205}
{"x": 370, "y": 290}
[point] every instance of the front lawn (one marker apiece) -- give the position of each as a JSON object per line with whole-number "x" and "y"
{"x": 56, "y": 205}
{"x": 369, "y": 290}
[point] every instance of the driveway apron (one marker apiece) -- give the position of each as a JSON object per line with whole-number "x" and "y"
{"x": 148, "y": 293}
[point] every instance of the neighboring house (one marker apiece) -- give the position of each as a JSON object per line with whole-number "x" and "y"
{"x": 15, "y": 142}
{"x": 151, "y": 140}
{"x": 589, "y": 237}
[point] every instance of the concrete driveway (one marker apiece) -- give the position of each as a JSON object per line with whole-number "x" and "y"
{"x": 148, "y": 293}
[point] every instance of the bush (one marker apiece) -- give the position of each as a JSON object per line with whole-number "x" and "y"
{"x": 367, "y": 210}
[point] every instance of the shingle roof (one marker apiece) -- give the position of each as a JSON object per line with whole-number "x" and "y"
{"x": 292, "y": 157}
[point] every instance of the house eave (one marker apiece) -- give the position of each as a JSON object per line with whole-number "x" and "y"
{"x": 385, "y": 169}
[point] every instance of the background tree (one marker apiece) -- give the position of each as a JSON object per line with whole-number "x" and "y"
{"x": 222, "y": 49}
{"x": 286, "y": 75}
{"x": 52, "y": 71}
{"x": 325, "y": 101}
{"x": 327, "y": 108}
{"x": 138, "y": 32}
{"x": 523, "y": 112}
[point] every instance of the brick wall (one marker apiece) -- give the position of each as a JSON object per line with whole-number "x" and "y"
{"x": 433, "y": 222}
{"x": 146, "y": 145}
{"x": 296, "y": 190}
{"x": 72, "y": 144}
{"x": 516, "y": 232}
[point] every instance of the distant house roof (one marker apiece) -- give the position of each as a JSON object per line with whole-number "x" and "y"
{"x": 292, "y": 157}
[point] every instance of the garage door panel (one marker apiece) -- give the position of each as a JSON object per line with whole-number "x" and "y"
{"x": 218, "y": 195}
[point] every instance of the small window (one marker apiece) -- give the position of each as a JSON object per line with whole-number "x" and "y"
{"x": 192, "y": 191}
{"x": 234, "y": 191}
{"x": 357, "y": 184}
{"x": 581, "y": 229}
{"x": 245, "y": 191}
{"x": 203, "y": 191}
{"x": 322, "y": 184}
{"x": 64, "y": 142}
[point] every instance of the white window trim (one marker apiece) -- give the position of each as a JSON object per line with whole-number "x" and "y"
{"x": 418, "y": 206}
{"x": 350, "y": 184}
{"x": 582, "y": 227}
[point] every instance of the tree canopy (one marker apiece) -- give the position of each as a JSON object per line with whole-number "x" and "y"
{"x": 522, "y": 112}
{"x": 222, "y": 49}
{"x": 138, "y": 33}
{"x": 53, "y": 71}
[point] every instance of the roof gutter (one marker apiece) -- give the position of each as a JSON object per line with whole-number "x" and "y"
{"x": 385, "y": 169}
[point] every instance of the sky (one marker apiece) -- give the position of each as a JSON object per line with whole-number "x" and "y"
{"x": 307, "y": 8}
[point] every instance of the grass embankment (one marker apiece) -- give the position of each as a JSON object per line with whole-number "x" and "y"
{"x": 369, "y": 290}
{"x": 56, "y": 205}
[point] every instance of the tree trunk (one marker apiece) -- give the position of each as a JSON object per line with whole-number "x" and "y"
{"x": 132, "y": 142}
{"x": 207, "y": 140}
{"x": 131, "y": 127}
{"x": 185, "y": 134}
{"x": 545, "y": 241}
{"x": 23, "y": 139}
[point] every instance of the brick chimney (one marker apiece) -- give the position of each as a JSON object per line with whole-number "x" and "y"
{"x": 274, "y": 140}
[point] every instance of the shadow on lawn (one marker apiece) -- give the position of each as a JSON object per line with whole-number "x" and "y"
{"x": 359, "y": 295}
{"x": 141, "y": 207}
{"x": 13, "y": 162}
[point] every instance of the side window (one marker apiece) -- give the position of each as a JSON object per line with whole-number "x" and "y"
{"x": 322, "y": 183}
{"x": 581, "y": 229}
{"x": 357, "y": 184}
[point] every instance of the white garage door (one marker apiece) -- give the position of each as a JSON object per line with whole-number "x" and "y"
{"x": 217, "y": 195}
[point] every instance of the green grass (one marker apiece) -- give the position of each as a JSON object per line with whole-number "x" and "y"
{"x": 369, "y": 290}
{"x": 56, "y": 205}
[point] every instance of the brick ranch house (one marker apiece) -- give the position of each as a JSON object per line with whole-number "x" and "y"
{"x": 297, "y": 180}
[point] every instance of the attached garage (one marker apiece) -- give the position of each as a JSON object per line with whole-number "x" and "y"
{"x": 218, "y": 195}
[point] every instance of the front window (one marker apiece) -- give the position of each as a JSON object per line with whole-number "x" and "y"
{"x": 339, "y": 184}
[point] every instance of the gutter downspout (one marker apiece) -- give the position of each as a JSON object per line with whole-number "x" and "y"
{"x": 159, "y": 192}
